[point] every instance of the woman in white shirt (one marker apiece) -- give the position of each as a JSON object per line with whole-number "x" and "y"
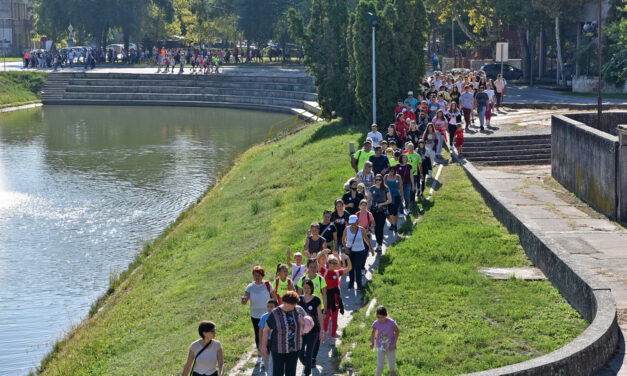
{"x": 205, "y": 355}
{"x": 491, "y": 96}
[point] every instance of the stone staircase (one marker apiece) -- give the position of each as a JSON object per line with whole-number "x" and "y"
{"x": 508, "y": 150}
{"x": 288, "y": 93}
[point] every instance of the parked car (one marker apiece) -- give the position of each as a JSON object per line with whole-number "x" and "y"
{"x": 509, "y": 72}
{"x": 458, "y": 70}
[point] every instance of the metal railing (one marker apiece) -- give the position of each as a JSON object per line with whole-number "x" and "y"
{"x": 296, "y": 120}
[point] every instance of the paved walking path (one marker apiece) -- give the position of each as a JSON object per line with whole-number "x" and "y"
{"x": 592, "y": 239}
{"x": 352, "y": 302}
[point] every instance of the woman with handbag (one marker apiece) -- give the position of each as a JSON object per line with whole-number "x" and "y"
{"x": 205, "y": 355}
{"x": 381, "y": 198}
{"x": 354, "y": 240}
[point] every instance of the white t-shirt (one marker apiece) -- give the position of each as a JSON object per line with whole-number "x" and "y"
{"x": 298, "y": 272}
{"x": 259, "y": 296}
{"x": 437, "y": 84}
{"x": 376, "y": 137}
{"x": 207, "y": 361}
{"x": 490, "y": 95}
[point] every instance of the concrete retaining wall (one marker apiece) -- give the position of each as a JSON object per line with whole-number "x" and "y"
{"x": 585, "y": 84}
{"x": 583, "y": 160}
{"x": 594, "y": 301}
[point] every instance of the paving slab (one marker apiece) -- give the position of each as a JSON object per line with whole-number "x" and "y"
{"x": 528, "y": 274}
{"x": 593, "y": 240}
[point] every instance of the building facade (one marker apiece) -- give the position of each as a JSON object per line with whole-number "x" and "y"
{"x": 16, "y": 26}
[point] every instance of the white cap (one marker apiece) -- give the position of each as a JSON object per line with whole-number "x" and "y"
{"x": 352, "y": 219}
{"x": 410, "y": 93}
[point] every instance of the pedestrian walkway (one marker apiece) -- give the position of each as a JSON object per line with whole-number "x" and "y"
{"x": 594, "y": 241}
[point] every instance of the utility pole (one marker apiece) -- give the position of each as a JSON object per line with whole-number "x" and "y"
{"x": 599, "y": 100}
{"x": 373, "y": 21}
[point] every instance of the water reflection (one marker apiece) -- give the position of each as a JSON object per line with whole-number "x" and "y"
{"x": 81, "y": 188}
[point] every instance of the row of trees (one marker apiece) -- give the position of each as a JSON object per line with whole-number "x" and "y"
{"x": 338, "y": 53}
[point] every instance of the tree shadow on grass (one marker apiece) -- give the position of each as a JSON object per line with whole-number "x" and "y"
{"x": 337, "y": 127}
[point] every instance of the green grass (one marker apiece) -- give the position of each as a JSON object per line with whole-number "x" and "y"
{"x": 200, "y": 266}
{"x": 453, "y": 320}
{"x": 18, "y": 88}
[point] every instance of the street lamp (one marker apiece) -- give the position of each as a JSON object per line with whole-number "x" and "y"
{"x": 373, "y": 21}
{"x": 599, "y": 100}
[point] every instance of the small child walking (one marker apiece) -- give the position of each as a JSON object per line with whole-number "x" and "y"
{"x": 459, "y": 140}
{"x": 267, "y": 362}
{"x": 386, "y": 332}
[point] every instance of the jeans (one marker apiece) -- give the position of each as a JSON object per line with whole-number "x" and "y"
{"x": 379, "y": 225}
{"x": 407, "y": 194}
{"x": 284, "y": 364}
{"x": 358, "y": 259}
{"x": 381, "y": 355}
{"x": 481, "y": 111}
{"x": 307, "y": 354}
{"x": 499, "y": 99}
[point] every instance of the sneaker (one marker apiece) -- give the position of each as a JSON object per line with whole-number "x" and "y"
{"x": 262, "y": 363}
{"x": 259, "y": 360}
{"x": 482, "y": 128}
{"x": 379, "y": 250}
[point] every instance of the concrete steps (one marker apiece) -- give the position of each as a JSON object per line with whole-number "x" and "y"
{"x": 509, "y": 150}
{"x": 119, "y": 89}
{"x": 290, "y": 93}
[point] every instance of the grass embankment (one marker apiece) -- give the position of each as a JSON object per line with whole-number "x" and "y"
{"x": 20, "y": 88}
{"x": 199, "y": 268}
{"x": 594, "y": 95}
{"x": 452, "y": 319}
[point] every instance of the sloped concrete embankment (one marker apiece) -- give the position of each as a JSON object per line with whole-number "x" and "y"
{"x": 591, "y": 298}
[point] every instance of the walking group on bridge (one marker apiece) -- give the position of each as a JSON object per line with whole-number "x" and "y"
{"x": 297, "y": 309}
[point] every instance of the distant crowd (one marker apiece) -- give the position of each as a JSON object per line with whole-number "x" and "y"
{"x": 195, "y": 58}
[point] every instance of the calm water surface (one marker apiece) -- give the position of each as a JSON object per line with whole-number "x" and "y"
{"x": 81, "y": 189}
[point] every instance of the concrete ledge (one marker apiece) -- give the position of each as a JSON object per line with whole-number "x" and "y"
{"x": 256, "y": 107}
{"x": 570, "y": 106}
{"x": 594, "y": 301}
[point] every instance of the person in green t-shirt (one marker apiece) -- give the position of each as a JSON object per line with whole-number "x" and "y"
{"x": 361, "y": 156}
{"x": 415, "y": 161}
{"x": 320, "y": 285}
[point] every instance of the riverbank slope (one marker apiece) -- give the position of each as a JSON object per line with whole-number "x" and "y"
{"x": 20, "y": 88}
{"x": 200, "y": 266}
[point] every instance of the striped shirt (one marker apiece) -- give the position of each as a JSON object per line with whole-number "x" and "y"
{"x": 286, "y": 336}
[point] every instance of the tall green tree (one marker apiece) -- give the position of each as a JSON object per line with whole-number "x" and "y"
{"x": 326, "y": 57}
{"x": 412, "y": 29}
{"x": 362, "y": 57}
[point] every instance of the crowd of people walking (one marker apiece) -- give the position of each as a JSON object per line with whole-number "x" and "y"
{"x": 295, "y": 310}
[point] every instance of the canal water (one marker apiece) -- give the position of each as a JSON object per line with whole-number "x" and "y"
{"x": 81, "y": 190}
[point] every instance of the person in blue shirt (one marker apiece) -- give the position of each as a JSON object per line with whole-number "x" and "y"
{"x": 267, "y": 362}
{"x": 434, "y": 61}
{"x": 411, "y": 100}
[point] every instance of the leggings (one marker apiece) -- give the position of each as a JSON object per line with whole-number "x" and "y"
{"x": 452, "y": 128}
{"x": 256, "y": 329}
{"x": 379, "y": 225}
{"x": 358, "y": 259}
{"x": 381, "y": 355}
{"x": 311, "y": 342}
{"x": 333, "y": 316}
{"x": 488, "y": 113}
{"x": 467, "y": 112}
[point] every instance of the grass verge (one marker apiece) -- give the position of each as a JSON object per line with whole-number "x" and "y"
{"x": 19, "y": 88}
{"x": 594, "y": 95}
{"x": 453, "y": 320}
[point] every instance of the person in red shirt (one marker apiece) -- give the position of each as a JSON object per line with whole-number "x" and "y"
{"x": 459, "y": 140}
{"x": 399, "y": 107}
{"x": 332, "y": 274}
{"x": 402, "y": 127}
{"x": 409, "y": 112}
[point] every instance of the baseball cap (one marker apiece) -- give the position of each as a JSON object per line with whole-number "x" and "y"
{"x": 410, "y": 93}
{"x": 352, "y": 219}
